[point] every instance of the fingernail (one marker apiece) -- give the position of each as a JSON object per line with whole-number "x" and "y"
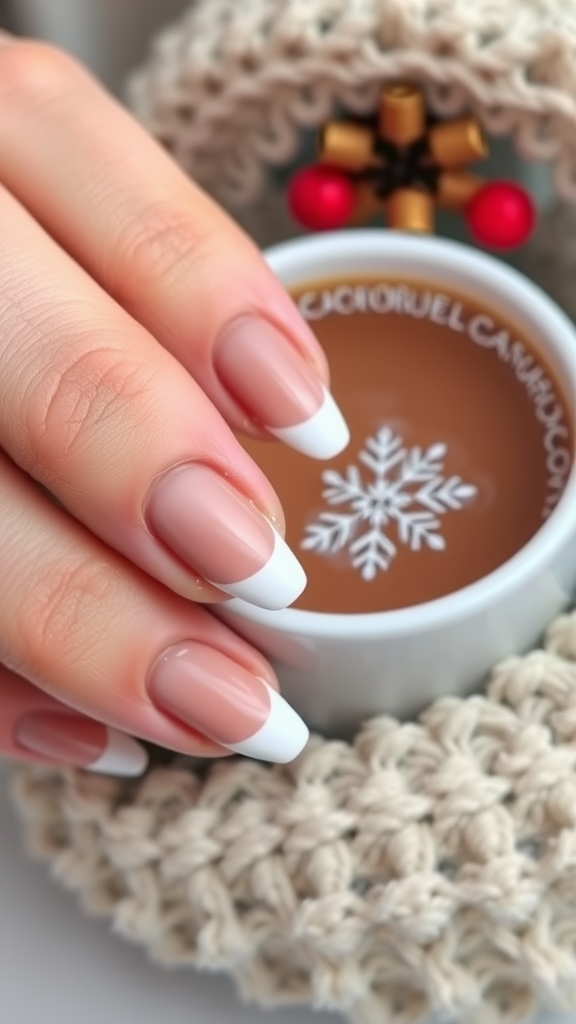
{"x": 279, "y": 390}
{"x": 78, "y": 741}
{"x": 215, "y": 695}
{"x": 217, "y": 532}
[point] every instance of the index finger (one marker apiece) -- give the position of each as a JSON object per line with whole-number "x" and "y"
{"x": 116, "y": 201}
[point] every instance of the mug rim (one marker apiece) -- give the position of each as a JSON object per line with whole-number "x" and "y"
{"x": 551, "y": 536}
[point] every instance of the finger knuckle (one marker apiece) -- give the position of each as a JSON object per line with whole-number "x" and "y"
{"x": 60, "y": 620}
{"x": 90, "y": 399}
{"x": 165, "y": 243}
{"x": 34, "y": 72}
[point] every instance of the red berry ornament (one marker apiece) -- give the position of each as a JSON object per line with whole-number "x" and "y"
{"x": 501, "y": 215}
{"x": 321, "y": 198}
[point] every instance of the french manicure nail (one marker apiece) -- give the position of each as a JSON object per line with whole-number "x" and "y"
{"x": 279, "y": 390}
{"x": 207, "y": 690}
{"x": 217, "y": 532}
{"x": 75, "y": 740}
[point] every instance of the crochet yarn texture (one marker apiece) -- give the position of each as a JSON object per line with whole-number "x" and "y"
{"x": 427, "y": 866}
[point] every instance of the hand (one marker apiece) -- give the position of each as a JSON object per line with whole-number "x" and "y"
{"x": 137, "y": 326}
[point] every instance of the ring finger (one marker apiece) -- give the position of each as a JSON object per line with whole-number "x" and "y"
{"x": 91, "y": 630}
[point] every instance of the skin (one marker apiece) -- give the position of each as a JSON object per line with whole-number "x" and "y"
{"x": 116, "y": 276}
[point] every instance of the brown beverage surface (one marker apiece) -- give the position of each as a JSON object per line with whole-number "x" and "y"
{"x": 461, "y": 446}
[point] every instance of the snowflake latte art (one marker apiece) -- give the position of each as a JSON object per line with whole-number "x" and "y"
{"x": 461, "y": 447}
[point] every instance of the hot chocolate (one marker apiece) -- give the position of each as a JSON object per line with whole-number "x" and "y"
{"x": 461, "y": 447}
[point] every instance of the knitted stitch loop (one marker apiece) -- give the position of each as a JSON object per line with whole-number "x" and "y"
{"x": 230, "y": 87}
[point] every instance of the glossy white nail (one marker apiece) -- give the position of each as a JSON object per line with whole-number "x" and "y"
{"x": 323, "y": 436}
{"x": 276, "y": 585}
{"x": 282, "y": 736}
{"x": 122, "y": 755}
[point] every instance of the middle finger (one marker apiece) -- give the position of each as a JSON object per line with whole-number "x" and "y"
{"x": 97, "y": 411}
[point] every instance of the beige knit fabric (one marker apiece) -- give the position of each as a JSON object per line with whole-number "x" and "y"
{"x": 231, "y": 86}
{"x": 427, "y": 866}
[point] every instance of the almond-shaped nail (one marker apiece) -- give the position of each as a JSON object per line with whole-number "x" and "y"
{"x": 207, "y": 690}
{"x": 218, "y": 533}
{"x": 265, "y": 374}
{"x": 81, "y": 742}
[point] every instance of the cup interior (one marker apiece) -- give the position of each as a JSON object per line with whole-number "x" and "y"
{"x": 447, "y": 264}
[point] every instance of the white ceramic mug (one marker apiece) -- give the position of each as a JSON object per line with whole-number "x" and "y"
{"x": 336, "y": 669}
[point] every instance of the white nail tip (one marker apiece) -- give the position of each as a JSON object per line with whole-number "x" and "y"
{"x": 322, "y": 436}
{"x": 122, "y": 756}
{"x": 276, "y": 585}
{"x": 282, "y": 737}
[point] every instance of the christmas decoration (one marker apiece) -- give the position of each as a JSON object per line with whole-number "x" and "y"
{"x": 500, "y": 215}
{"x": 402, "y": 164}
